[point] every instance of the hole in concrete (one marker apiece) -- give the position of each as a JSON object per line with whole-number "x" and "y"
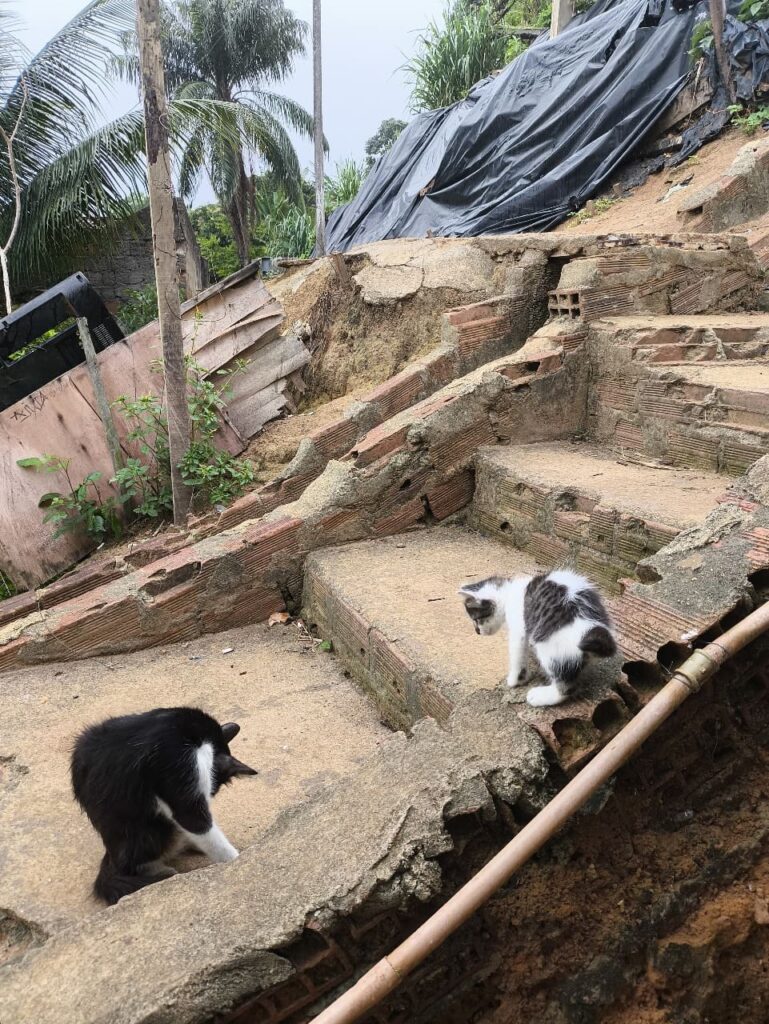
{"x": 642, "y": 676}
{"x": 505, "y": 527}
{"x": 760, "y": 583}
{"x": 406, "y": 483}
{"x": 608, "y": 716}
{"x": 532, "y": 367}
{"x": 647, "y": 573}
{"x": 566, "y": 501}
{"x": 671, "y": 655}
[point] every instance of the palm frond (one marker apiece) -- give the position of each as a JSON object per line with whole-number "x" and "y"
{"x": 82, "y": 195}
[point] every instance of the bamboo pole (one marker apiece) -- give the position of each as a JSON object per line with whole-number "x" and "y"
{"x": 386, "y": 975}
{"x": 164, "y": 245}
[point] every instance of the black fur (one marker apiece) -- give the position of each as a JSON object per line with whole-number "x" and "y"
{"x": 599, "y": 641}
{"x": 119, "y": 770}
{"x": 566, "y": 673}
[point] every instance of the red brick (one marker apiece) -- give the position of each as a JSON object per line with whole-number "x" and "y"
{"x": 81, "y": 581}
{"x": 17, "y": 607}
{"x": 398, "y": 393}
{"x": 380, "y": 441}
{"x": 448, "y": 497}
{"x": 401, "y": 518}
{"x": 336, "y": 438}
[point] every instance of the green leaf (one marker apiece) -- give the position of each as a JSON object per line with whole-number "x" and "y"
{"x": 325, "y": 645}
{"x": 31, "y": 463}
{"x": 48, "y": 499}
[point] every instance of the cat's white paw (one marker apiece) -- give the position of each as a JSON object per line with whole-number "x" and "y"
{"x": 514, "y": 680}
{"x": 545, "y": 696}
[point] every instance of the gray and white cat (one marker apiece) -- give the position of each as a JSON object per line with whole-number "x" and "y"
{"x": 560, "y": 614}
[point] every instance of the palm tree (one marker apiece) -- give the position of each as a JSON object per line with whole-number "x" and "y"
{"x": 72, "y": 176}
{"x": 226, "y": 53}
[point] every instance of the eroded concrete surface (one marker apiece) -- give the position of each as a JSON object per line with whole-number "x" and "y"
{"x": 303, "y": 725}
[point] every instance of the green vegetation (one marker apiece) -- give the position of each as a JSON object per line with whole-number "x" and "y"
{"x": 216, "y": 476}
{"x": 754, "y": 10}
{"x": 591, "y": 208}
{"x": 139, "y": 309}
{"x": 7, "y": 588}
{"x": 81, "y": 509}
{"x": 144, "y": 482}
{"x": 702, "y": 40}
{"x": 454, "y": 54}
{"x": 749, "y": 120}
{"x": 223, "y": 54}
{"x": 214, "y": 235}
{"x": 343, "y": 186}
{"x": 383, "y": 140}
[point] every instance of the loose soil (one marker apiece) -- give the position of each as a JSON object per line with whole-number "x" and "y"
{"x": 644, "y": 209}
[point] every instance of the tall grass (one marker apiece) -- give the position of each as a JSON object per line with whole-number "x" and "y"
{"x": 453, "y": 55}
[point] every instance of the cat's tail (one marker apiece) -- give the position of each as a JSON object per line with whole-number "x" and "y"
{"x": 111, "y": 885}
{"x": 598, "y": 640}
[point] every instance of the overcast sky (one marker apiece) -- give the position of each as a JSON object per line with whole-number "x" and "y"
{"x": 364, "y": 44}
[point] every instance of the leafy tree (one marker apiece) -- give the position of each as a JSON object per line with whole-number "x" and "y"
{"x": 214, "y": 234}
{"x": 225, "y": 53}
{"x": 455, "y": 54}
{"x": 383, "y": 141}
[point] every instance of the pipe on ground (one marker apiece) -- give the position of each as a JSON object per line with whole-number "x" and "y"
{"x": 385, "y": 976}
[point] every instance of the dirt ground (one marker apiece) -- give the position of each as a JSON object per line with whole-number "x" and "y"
{"x": 656, "y": 911}
{"x": 303, "y": 725}
{"x": 647, "y": 209}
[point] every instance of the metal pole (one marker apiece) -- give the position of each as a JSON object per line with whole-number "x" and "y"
{"x": 320, "y": 197}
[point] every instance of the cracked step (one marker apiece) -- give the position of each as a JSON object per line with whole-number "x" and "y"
{"x": 302, "y": 726}
{"x": 676, "y": 339}
{"x": 577, "y": 503}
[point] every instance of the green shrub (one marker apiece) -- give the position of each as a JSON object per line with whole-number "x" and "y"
{"x": 754, "y": 10}
{"x": 139, "y": 309}
{"x": 79, "y": 510}
{"x": 701, "y": 41}
{"x": 749, "y": 120}
{"x": 7, "y": 588}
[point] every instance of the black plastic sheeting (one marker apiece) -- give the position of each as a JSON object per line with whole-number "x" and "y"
{"x": 747, "y": 47}
{"x": 534, "y": 143}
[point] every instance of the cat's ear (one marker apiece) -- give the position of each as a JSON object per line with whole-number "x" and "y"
{"x": 230, "y": 731}
{"x": 238, "y": 768}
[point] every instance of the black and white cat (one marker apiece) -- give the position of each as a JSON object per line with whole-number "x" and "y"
{"x": 560, "y": 614}
{"x": 146, "y": 781}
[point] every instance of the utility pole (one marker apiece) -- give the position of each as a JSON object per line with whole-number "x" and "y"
{"x": 320, "y": 197}
{"x": 561, "y": 15}
{"x": 164, "y": 245}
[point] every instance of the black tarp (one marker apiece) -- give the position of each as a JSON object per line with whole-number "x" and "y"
{"x": 535, "y": 142}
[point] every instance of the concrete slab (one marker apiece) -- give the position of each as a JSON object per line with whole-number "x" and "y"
{"x": 303, "y": 725}
{"x": 407, "y": 587}
{"x": 680, "y": 497}
{"x": 743, "y": 376}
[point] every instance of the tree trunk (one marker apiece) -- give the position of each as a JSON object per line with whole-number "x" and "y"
{"x": 164, "y": 245}
{"x": 320, "y": 196}
{"x": 717, "y": 13}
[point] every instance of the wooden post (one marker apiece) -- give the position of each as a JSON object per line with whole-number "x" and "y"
{"x": 717, "y": 14}
{"x": 164, "y": 245}
{"x": 562, "y": 14}
{"x": 102, "y": 405}
{"x": 320, "y": 190}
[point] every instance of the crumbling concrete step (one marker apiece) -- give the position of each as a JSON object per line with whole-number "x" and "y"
{"x": 675, "y": 339}
{"x": 576, "y": 503}
{"x": 710, "y": 415}
{"x": 393, "y": 614}
{"x": 301, "y": 727}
